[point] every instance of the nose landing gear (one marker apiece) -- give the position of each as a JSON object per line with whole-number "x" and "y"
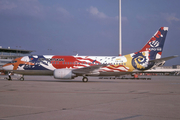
{"x": 9, "y": 75}
{"x": 21, "y": 78}
{"x": 10, "y": 78}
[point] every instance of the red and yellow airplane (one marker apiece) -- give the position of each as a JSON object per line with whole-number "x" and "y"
{"x": 69, "y": 67}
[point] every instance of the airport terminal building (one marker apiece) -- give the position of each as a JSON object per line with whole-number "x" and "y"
{"x": 8, "y": 54}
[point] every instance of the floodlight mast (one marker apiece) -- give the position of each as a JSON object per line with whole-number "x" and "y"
{"x": 120, "y": 46}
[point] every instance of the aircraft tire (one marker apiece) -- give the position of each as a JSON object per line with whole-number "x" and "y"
{"x": 85, "y": 79}
{"x": 21, "y": 79}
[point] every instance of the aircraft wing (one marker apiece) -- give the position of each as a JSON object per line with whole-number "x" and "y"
{"x": 163, "y": 59}
{"x": 89, "y": 69}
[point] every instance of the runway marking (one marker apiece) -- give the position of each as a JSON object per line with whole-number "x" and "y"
{"x": 175, "y": 83}
{"x": 19, "y": 106}
{"x": 129, "y": 117}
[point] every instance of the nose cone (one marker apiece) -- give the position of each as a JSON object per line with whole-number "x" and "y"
{"x": 8, "y": 66}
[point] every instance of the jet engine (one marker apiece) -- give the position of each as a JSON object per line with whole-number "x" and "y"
{"x": 63, "y": 74}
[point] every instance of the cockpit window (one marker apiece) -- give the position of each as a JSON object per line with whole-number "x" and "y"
{"x": 14, "y": 61}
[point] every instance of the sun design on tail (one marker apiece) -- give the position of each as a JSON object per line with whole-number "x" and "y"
{"x": 140, "y": 61}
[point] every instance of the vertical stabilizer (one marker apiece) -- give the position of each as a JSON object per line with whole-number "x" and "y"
{"x": 155, "y": 45}
{"x": 152, "y": 50}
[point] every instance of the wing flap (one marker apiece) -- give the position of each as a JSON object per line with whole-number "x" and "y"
{"x": 89, "y": 69}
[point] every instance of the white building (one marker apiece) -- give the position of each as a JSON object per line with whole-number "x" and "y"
{"x": 8, "y": 54}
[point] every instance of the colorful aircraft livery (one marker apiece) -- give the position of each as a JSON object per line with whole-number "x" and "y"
{"x": 69, "y": 67}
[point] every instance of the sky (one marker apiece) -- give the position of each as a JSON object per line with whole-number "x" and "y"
{"x": 88, "y": 27}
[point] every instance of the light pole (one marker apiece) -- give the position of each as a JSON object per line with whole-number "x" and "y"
{"x": 120, "y": 46}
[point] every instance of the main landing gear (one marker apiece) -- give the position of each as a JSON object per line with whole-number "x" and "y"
{"x": 85, "y": 79}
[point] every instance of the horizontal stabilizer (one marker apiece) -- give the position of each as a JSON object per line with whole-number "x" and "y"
{"x": 163, "y": 59}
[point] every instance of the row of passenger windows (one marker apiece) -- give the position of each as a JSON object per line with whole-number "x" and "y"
{"x": 78, "y": 63}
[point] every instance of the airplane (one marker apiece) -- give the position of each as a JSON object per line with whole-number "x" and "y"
{"x": 69, "y": 67}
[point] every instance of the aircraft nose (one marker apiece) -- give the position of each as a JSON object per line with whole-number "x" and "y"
{"x": 8, "y": 66}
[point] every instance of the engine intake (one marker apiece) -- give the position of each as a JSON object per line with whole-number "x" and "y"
{"x": 63, "y": 74}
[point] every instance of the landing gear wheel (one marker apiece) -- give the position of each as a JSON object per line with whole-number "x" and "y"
{"x": 85, "y": 79}
{"x": 21, "y": 79}
{"x": 10, "y": 79}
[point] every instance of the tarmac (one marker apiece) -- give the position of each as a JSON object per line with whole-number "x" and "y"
{"x": 45, "y": 98}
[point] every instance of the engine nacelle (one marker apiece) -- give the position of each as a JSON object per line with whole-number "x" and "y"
{"x": 63, "y": 74}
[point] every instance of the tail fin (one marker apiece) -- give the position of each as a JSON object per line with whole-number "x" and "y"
{"x": 155, "y": 45}
{"x": 152, "y": 50}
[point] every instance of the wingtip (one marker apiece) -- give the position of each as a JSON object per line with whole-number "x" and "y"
{"x": 175, "y": 56}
